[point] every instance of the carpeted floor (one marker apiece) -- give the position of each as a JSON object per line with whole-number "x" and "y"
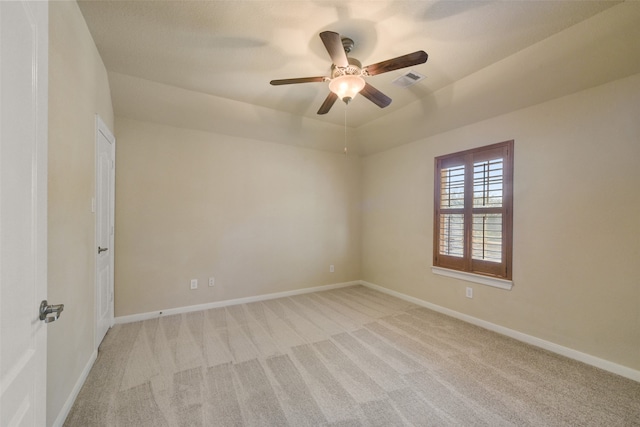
{"x": 346, "y": 357}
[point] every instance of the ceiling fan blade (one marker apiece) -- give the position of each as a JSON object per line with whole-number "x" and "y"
{"x": 328, "y": 103}
{"x": 333, "y": 44}
{"x": 298, "y": 80}
{"x": 375, "y": 96}
{"x": 415, "y": 58}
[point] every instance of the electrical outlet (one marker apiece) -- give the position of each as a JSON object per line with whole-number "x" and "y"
{"x": 194, "y": 283}
{"x": 331, "y": 269}
{"x": 469, "y": 293}
{"x": 212, "y": 281}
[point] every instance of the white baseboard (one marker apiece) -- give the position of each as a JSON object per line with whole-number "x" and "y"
{"x": 606, "y": 365}
{"x": 64, "y": 412}
{"x": 225, "y": 303}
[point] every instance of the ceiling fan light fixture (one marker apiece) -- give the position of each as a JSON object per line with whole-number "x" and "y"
{"x": 347, "y": 74}
{"x": 346, "y": 87}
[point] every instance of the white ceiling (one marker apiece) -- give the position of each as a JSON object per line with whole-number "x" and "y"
{"x": 232, "y": 49}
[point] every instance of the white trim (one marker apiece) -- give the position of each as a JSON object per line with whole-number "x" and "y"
{"x": 225, "y": 303}
{"x": 66, "y": 408}
{"x": 476, "y": 278}
{"x": 615, "y": 368}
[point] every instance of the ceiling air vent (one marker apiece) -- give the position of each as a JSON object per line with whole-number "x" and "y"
{"x": 408, "y": 79}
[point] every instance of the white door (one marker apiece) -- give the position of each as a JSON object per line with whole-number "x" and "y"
{"x": 105, "y": 183}
{"x": 23, "y": 211}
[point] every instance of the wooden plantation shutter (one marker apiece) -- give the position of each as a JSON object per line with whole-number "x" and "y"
{"x": 473, "y": 210}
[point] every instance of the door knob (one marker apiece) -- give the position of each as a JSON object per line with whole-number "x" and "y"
{"x": 46, "y": 309}
{"x": 100, "y": 250}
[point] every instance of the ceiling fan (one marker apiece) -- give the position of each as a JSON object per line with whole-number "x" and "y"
{"x": 347, "y": 74}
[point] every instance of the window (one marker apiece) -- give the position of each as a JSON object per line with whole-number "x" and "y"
{"x": 474, "y": 210}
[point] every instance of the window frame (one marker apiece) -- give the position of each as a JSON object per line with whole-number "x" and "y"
{"x": 466, "y": 263}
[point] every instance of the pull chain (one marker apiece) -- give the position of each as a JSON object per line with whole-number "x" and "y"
{"x": 345, "y": 130}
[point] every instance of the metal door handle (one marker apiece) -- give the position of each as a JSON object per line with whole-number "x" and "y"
{"x": 100, "y": 250}
{"x": 46, "y": 309}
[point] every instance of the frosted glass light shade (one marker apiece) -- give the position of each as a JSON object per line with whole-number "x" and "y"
{"x": 346, "y": 87}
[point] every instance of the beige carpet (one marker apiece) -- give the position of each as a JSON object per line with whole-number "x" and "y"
{"x": 346, "y": 357}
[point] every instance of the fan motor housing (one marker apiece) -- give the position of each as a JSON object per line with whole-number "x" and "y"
{"x": 354, "y": 69}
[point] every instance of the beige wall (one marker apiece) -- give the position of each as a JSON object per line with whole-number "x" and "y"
{"x": 260, "y": 217}
{"x": 576, "y": 222}
{"x": 78, "y": 89}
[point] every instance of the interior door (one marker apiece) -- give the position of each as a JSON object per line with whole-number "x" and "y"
{"x": 105, "y": 183}
{"x": 23, "y": 211}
